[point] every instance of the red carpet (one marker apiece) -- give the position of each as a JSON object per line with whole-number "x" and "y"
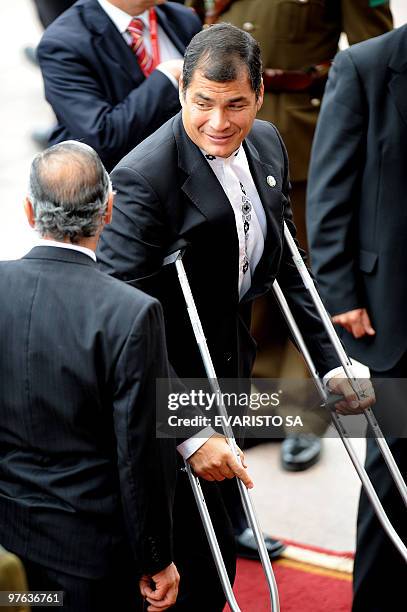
{"x": 303, "y": 587}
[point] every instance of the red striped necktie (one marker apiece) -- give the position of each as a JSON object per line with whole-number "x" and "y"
{"x": 138, "y": 47}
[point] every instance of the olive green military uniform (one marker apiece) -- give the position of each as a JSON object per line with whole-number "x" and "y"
{"x": 12, "y": 577}
{"x": 295, "y": 35}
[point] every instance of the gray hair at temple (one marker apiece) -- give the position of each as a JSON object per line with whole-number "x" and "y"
{"x": 220, "y": 51}
{"x": 69, "y": 190}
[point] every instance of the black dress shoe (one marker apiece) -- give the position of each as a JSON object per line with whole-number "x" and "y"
{"x": 300, "y": 452}
{"x": 247, "y": 549}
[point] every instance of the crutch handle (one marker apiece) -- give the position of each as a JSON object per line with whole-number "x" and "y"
{"x": 176, "y": 251}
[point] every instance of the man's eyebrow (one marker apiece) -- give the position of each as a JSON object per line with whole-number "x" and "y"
{"x": 237, "y": 99}
{"x": 202, "y": 96}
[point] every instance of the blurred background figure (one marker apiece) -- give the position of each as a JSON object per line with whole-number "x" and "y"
{"x": 111, "y": 71}
{"x": 298, "y": 40}
{"x": 48, "y": 11}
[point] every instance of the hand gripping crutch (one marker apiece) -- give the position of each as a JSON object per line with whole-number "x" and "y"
{"x": 346, "y": 364}
{"x": 252, "y": 519}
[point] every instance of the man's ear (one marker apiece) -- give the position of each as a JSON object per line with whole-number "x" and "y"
{"x": 29, "y": 212}
{"x": 181, "y": 92}
{"x": 109, "y": 210}
{"x": 259, "y": 101}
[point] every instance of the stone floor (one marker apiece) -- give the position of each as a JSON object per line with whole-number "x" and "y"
{"x": 316, "y": 507}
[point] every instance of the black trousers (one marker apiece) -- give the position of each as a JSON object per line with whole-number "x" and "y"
{"x": 116, "y": 591}
{"x": 48, "y": 10}
{"x": 380, "y": 574}
{"x": 200, "y": 588}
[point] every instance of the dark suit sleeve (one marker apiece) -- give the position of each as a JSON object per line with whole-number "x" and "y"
{"x": 132, "y": 247}
{"x": 80, "y": 103}
{"x": 333, "y": 187}
{"x": 297, "y": 296}
{"x": 146, "y": 464}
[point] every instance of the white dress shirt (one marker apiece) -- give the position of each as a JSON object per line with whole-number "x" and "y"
{"x": 121, "y": 20}
{"x": 232, "y": 173}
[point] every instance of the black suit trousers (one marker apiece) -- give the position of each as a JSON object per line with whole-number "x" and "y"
{"x": 380, "y": 572}
{"x": 118, "y": 590}
{"x": 200, "y": 587}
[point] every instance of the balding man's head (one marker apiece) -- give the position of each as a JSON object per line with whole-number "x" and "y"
{"x": 69, "y": 190}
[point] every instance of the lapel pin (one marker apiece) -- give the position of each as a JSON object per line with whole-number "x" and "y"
{"x": 271, "y": 181}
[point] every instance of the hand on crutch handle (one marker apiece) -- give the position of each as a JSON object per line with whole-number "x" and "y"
{"x": 215, "y": 460}
{"x": 351, "y": 404}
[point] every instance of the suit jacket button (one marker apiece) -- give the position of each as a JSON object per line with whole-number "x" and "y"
{"x": 248, "y": 26}
{"x": 315, "y": 102}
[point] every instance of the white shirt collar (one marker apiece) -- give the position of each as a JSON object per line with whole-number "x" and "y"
{"x": 120, "y": 18}
{"x": 64, "y": 245}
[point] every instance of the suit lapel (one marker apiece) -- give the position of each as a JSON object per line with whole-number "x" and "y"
{"x": 398, "y": 90}
{"x": 201, "y": 185}
{"x": 109, "y": 40}
{"x": 206, "y": 194}
{"x": 398, "y": 80}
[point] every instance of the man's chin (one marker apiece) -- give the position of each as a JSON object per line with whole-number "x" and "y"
{"x": 223, "y": 148}
{"x": 220, "y": 150}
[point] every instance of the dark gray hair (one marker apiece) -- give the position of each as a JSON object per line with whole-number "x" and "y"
{"x": 221, "y": 51}
{"x": 69, "y": 190}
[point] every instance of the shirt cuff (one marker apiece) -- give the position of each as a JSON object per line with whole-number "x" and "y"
{"x": 359, "y": 370}
{"x": 169, "y": 76}
{"x": 190, "y": 446}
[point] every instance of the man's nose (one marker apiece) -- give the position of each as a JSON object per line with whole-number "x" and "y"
{"x": 219, "y": 120}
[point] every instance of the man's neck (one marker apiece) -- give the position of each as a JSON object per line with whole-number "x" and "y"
{"x": 88, "y": 243}
{"x": 124, "y": 6}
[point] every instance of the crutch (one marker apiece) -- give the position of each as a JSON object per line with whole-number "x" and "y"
{"x": 346, "y": 364}
{"x": 176, "y": 257}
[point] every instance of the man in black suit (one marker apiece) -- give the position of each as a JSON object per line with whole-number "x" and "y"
{"x": 86, "y": 490}
{"x": 218, "y": 179}
{"x": 93, "y": 81}
{"x": 357, "y": 228}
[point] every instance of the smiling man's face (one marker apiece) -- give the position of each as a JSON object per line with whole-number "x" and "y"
{"x": 218, "y": 116}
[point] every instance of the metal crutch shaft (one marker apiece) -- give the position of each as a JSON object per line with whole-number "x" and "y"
{"x": 212, "y": 539}
{"x": 244, "y": 493}
{"x": 370, "y": 491}
{"x": 345, "y": 363}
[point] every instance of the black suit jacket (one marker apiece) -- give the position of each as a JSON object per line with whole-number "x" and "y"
{"x": 356, "y": 216}
{"x": 95, "y": 85}
{"x": 81, "y": 472}
{"x": 167, "y": 191}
